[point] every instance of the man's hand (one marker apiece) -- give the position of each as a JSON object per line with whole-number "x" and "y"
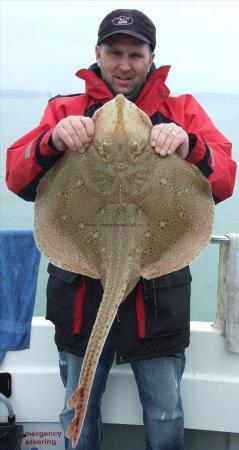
{"x": 74, "y": 133}
{"x": 168, "y": 138}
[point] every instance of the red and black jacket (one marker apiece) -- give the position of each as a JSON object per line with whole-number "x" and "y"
{"x": 154, "y": 319}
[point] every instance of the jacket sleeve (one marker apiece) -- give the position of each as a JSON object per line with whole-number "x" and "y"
{"x": 29, "y": 158}
{"x": 209, "y": 150}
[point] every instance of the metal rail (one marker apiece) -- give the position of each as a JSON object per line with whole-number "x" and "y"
{"x": 219, "y": 239}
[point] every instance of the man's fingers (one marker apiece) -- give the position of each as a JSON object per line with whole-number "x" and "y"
{"x": 78, "y": 134}
{"x": 74, "y": 132}
{"x": 175, "y": 143}
{"x": 162, "y": 139}
{"x": 169, "y": 145}
{"x": 169, "y": 138}
{"x": 89, "y": 126}
{"x": 84, "y": 131}
{"x": 63, "y": 136}
{"x": 154, "y": 134}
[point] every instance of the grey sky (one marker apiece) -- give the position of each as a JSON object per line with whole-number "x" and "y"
{"x": 44, "y": 42}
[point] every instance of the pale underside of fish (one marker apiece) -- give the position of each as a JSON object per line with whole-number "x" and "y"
{"x": 118, "y": 212}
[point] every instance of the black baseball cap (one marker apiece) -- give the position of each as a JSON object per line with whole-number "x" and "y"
{"x": 128, "y": 21}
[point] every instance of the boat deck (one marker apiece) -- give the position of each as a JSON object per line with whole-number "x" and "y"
{"x": 210, "y": 391}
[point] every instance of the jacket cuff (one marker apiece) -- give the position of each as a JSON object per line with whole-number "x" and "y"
{"x": 200, "y": 154}
{"x": 45, "y": 153}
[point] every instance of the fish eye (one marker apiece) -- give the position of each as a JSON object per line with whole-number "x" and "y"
{"x": 136, "y": 149}
{"x": 103, "y": 148}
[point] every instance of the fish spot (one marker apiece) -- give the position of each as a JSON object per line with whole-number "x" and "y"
{"x": 163, "y": 181}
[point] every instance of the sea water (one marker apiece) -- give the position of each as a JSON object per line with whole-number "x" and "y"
{"x": 20, "y": 114}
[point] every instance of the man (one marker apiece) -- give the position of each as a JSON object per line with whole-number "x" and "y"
{"x": 150, "y": 333}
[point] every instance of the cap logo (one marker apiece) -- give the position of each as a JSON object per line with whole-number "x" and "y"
{"x": 122, "y": 20}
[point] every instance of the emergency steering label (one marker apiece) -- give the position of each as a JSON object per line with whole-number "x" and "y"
{"x": 43, "y": 436}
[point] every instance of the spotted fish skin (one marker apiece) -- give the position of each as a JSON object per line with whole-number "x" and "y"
{"x": 119, "y": 228}
{"x": 118, "y": 212}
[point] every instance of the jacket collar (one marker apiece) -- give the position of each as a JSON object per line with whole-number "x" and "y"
{"x": 151, "y": 97}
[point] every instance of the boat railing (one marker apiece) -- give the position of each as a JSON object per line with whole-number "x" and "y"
{"x": 219, "y": 239}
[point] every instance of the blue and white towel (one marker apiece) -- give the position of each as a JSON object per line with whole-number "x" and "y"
{"x": 19, "y": 265}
